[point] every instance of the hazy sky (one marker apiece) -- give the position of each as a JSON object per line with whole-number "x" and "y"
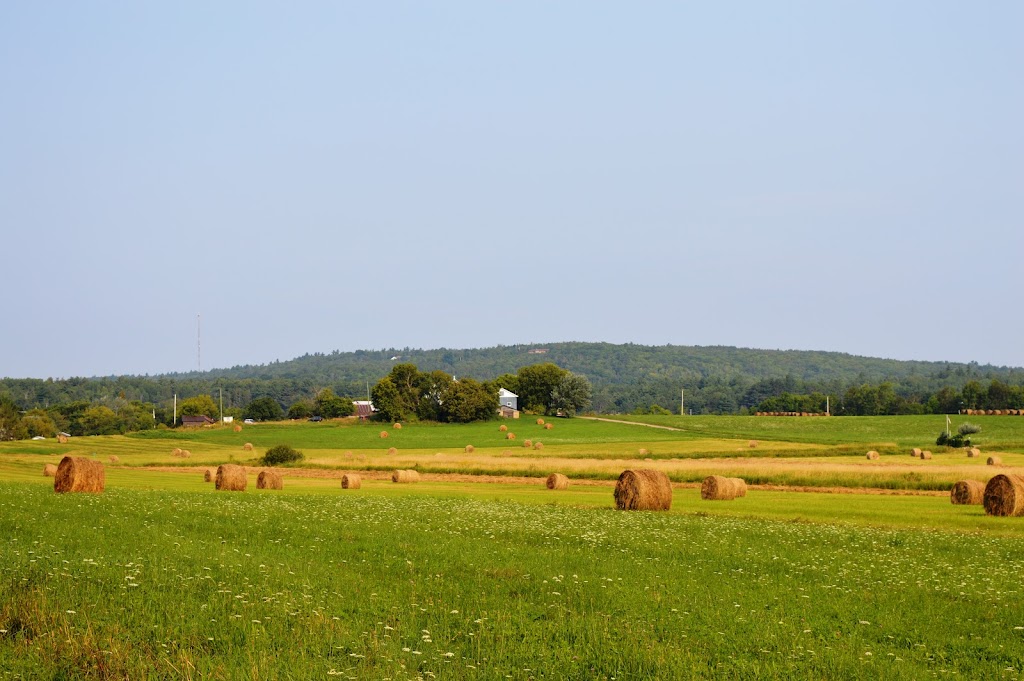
{"x": 316, "y": 176}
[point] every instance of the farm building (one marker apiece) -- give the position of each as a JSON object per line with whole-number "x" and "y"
{"x": 508, "y": 403}
{"x": 196, "y": 421}
{"x": 364, "y": 409}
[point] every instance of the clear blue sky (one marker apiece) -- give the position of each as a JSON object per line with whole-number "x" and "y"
{"x": 834, "y": 176}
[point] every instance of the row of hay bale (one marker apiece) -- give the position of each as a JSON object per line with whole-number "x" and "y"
{"x": 792, "y": 413}
{"x": 993, "y": 412}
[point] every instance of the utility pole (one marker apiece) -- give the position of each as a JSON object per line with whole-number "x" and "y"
{"x": 221, "y": 404}
{"x": 175, "y": 421}
{"x": 682, "y": 401}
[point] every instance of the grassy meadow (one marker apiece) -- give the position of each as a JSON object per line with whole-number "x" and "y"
{"x": 454, "y": 577}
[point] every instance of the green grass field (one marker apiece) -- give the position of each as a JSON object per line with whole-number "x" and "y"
{"x": 163, "y": 577}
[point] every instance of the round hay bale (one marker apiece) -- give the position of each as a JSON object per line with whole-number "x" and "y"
{"x": 916, "y": 452}
{"x": 405, "y": 476}
{"x": 967, "y": 492}
{"x": 643, "y": 490}
{"x": 994, "y": 461}
{"x": 540, "y": 422}
{"x": 185, "y": 454}
{"x": 114, "y": 458}
{"x": 351, "y": 481}
{"x": 247, "y": 447}
{"x": 230, "y": 478}
{"x": 79, "y": 474}
{"x": 383, "y": 434}
{"x": 510, "y": 436}
{"x": 62, "y": 439}
{"x": 753, "y": 444}
{"x": 1004, "y": 495}
{"x": 392, "y": 450}
{"x": 208, "y": 475}
{"x": 925, "y": 454}
{"x": 557, "y": 481}
{"x": 721, "y": 488}
{"x": 527, "y": 443}
{"x": 397, "y": 426}
{"x": 973, "y": 452}
{"x": 49, "y": 470}
{"x": 872, "y": 455}
{"x": 470, "y": 449}
{"x": 548, "y": 426}
{"x": 238, "y": 429}
{"x": 176, "y": 451}
{"x": 502, "y": 428}
{"x": 642, "y": 452}
{"x": 538, "y": 445}
{"x": 269, "y": 480}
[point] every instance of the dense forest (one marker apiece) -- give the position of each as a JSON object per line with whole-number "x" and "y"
{"x": 625, "y": 378}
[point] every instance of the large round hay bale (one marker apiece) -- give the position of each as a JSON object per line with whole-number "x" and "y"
{"x": 925, "y": 454}
{"x": 540, "y": 422}
{"x": 247, "y": 447}
{"x": 470, "y": 449}
{"x": 502, "y": 428}
{"x": 208, "y": 475}
{"x": 510, "y": 436}
{"x": 973, "y": 452}
{"x": 538, "y": 445}
{"x": 231, "y": 478}
{"x": 405, "y": 476}
{"x": 721, "y": 488}
{"x": 643, "y": 490}
{"x": 114, "y": 458}
{"x": 396, "y": 426}
{"x": 238, "y": 429}
{"x": 351, "y": 481}
{"x": 269, "y": 480}
{"x": 967, "y": 492}
{"x": 557, "y": 481}
{"x": 548, "y": 426}
{"x": 527, "y": 443}
{"x": 873, "y": 455}
{"x": 753, "y": 444}
{"x": 79, "y": 474}
{"x": 1004, "y": 495}
{"x": 383, "y": 434}
{"x": 994, "y": 461}
{"x": 916, "y": 452}
{"x": 49, "y": 470}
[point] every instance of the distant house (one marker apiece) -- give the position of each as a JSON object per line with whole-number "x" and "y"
{"x": 537, "y": 351}
{"x": 508, "y": 404}
{"x": 364, "y": 409}
{"x": 196, "y": 421}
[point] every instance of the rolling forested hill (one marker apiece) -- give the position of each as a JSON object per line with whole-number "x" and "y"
{"x": 625, "y": 377}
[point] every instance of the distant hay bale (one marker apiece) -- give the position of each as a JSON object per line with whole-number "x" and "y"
{"x": 752, "y": 444}
{"x": 348, "y": 454}
{"x": 916, "y": 452}
{"x": 49, "y": 470}
{"x": 994, "y": 461}
{"x": 383, "y": 434}
{"x": 470, "y": 449}
{"x": 967, "y": 492}
{"x": 185, "y": 453}
{"x": 79, "y": 474}
{"x": 230, "y": 478}
{"x": 351, "y": 481}
{"x": 643, "y": 490}
{"x": 540, "y": 422}
{"x": 721, "y": 488}
{"x": 392, "y": 450}
{"x": 269, "y": 480}
{"x": 925, "y": 454}
{"x": 538, "y": 445}
{"x": 502, "y": 428}
{"x": 548, "y": 426}
{"x": 405, "y": 476}
{"x": 176, "y": 451}
{"x": 114, "y": 458}
{"x": 208, "y": 475}
{"x": 510, "y": 436}
{"x": 62, "y": 439}
{"x": 238, "y": 429}
{"x": 397, "y": 426}
{"x": 1004, "y": 495}
{"x": 973, "y": 452}
{"x": 642, "y": 452}
{"x": 557, "y": 481}
{"x": 247, "y": 447}
{"x": 527, "y": 443}
{"x": 872, "y": 455}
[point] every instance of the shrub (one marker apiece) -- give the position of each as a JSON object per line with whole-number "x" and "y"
{"x": 942, "y": 439}
{"x": 967, "y": 428}
{"x": 281, "y": 454}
